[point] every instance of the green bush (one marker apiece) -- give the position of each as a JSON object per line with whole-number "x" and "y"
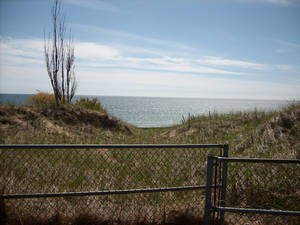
{"x": 92, "y": 104}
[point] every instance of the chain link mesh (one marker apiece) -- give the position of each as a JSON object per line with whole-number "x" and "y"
{"x": 25, "y": 171}
{"x": 272, "y": 186}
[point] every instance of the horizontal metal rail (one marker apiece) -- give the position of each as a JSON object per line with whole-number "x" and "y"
{"x": 89, "y": 146}
{"x": 106, "y": 192}
{"x": 255, "y": 160}
{"x": 257, "y": 211}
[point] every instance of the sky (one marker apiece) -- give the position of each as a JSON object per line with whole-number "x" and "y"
{"x": 246, "y": 49}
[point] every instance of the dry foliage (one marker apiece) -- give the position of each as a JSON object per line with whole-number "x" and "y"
{"x": 250, "y": 134}
{"x": 41, "y": 99}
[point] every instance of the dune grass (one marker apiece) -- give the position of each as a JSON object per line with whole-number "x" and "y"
{"x": 249, "y": 134}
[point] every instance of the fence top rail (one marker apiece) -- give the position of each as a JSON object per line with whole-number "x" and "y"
{"x": 106, "y": 146}
{"x": 257, "y": 160}
{"x": 257, "y": 211}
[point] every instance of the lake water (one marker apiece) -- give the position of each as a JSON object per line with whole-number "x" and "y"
{"x": 161, "y": 112}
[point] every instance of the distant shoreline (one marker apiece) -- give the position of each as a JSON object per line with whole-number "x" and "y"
{"x": 156, "y": 112}
{"x": 168, "y": 97}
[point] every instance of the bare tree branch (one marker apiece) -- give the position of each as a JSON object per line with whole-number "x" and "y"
{"x": 59, "y": 57}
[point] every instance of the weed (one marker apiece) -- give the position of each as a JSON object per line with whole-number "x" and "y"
{"x": 41, "y": 100}
{"x": 92, "y": 104}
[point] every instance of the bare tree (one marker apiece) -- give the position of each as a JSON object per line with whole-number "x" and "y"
{"x": 71, "y": 83}
{"x": 59, "y": 57}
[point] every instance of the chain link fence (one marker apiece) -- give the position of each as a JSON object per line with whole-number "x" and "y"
{"x": 149, "y": 183}
{"x": 114, "y": 182}
{"x": 258, "y": 191}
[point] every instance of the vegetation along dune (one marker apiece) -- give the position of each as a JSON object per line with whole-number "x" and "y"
{"x": 256, "y": 134}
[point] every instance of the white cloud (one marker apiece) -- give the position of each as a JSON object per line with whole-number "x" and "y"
{"x": 216, "y": 61}
{"x": 165, "y": 64}
{"x": 94, "y": 51}
{"x": 94, "y": 4}
{"x": 289, "y": 44}
{"x": 284, "y": 67}
{"x": 281, "y": 50}
{"x": 286, "y": 46}
{"x": 30, "y": 48}
{"x": 23, "y": 79}
{"x": 107, "y": 70}
{"x": 95, "y": 55}
{"x": 280, "y": 2}
{"x": 149, "y": 83}
{"x": 275, "y": 2}
{"x": 20, "y": 52}
{"x": 127, "y": 35}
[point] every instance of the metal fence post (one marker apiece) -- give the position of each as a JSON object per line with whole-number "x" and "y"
{"x": 209, "y": 178}
{"x": 224, "y": 183}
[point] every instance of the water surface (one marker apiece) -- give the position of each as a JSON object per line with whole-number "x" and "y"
{"x": 161, "y": 112}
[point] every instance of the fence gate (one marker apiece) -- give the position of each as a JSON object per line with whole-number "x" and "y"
{"x": 252, "y": 191}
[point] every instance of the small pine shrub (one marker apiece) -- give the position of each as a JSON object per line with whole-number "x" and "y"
{"x": 92, "y": 104}
{"x": 41, "y": 99}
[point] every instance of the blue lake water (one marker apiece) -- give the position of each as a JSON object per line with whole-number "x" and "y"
{"x": 161, "y": 112}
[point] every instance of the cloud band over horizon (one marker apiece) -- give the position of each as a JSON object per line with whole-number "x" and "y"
{"x": 103, "y": 69}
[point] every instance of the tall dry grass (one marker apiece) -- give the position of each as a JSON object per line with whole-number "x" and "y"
{"x": 92, "y": 104}
{"x": 249, "y": 134}
{"x": 41, "y": 100}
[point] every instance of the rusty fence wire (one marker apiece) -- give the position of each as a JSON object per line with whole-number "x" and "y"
{"x": 257, "y": 191}
{"x": 119, "y": 182}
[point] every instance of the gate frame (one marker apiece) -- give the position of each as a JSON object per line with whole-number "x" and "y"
{"x": 212, "y": 166}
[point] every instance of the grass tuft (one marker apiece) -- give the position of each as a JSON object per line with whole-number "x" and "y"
{"x": 92, "y": 104}
{"x": 41, "y": 100}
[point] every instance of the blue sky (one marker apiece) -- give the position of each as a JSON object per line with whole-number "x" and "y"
{"x": 173, "y": 48}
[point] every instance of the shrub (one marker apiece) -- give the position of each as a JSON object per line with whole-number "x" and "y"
{"x": 92, "y": 104}
{"x": 41, "y": 99}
